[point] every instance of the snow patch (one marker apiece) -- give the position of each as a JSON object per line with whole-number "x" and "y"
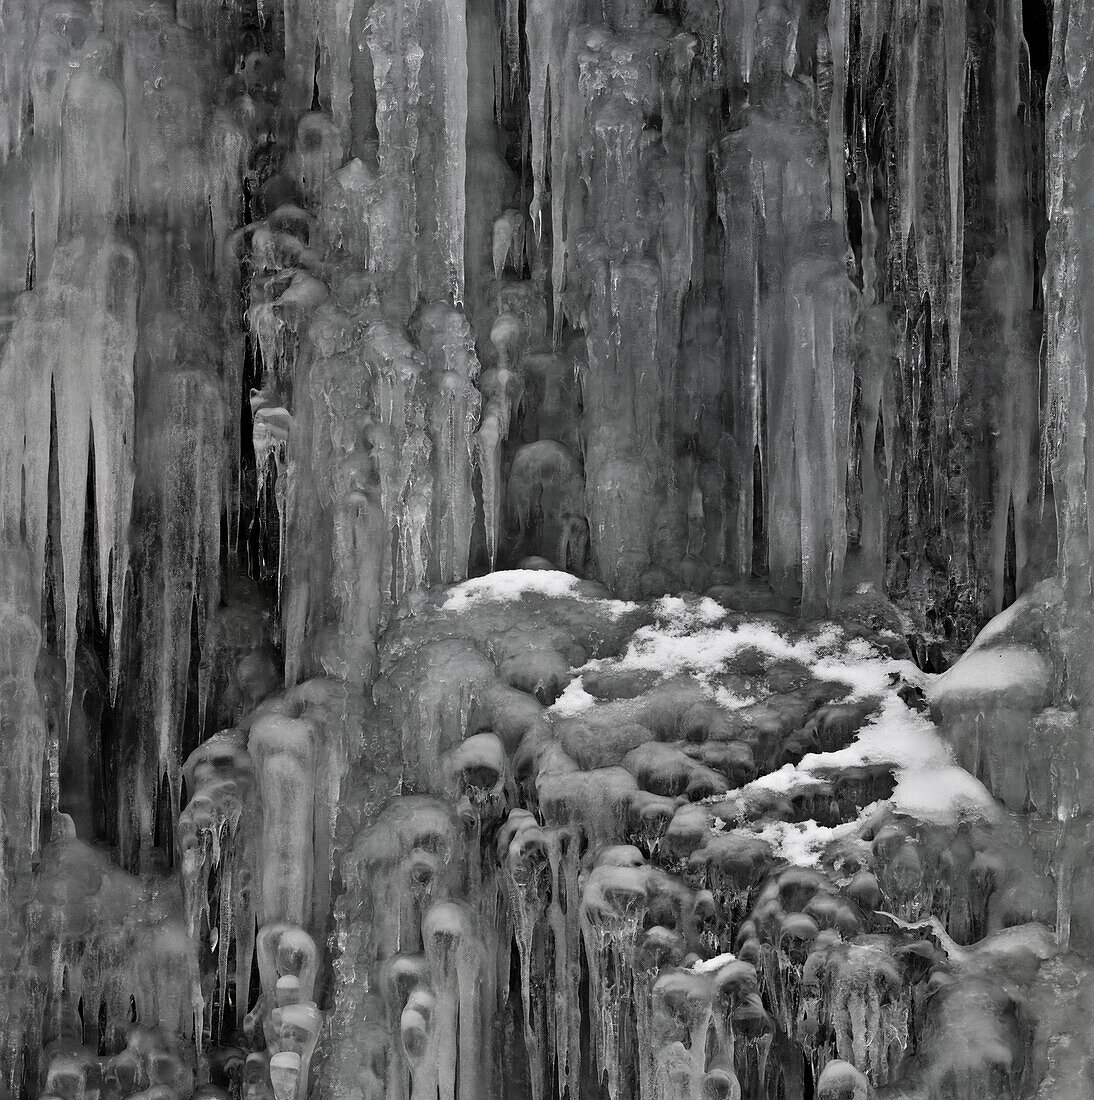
{"x": 573, "y": 700}
{"x": 983, "y": 672}
{"x": 710, "y": 966}
{"x": 929, "y": 784}
{"x": 802, "y": 843}
{"x": 685, "y": 644}
{"x": 895, "y": 735}
{"x": 943, "y": 795}
{"x": 685, "y": 640}
{"x": 511, "y": 584}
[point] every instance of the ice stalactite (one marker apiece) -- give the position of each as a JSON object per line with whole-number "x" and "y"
{"x": 875, "y": 408}
{"x": 357, "y": 447}
{"x": 256, "y": 844}
{"x": 452, "y": 201}
{"x": 301, "y": 34}
{"x": 284, "y": 752}
{"x": 84, "y": 958}
{"x": 359, "y": 535}
{"x": 774, "y": 207}
{"x": 217, "y": 838}
{"x": 619, "y": 468}
{"x": 27, "y": 737}
{"x": 75, "y": 367}
{"x": 934, "y": 37}
{"x": 454, "y": 957}
{"x": 822, "y": 316}
{"x": 420, "y": 72}
{"x": 446, "y": 340}
{"x": 500, "y": 389}
{"x": 180, "y": 570}
{"x": 1016, "y": 492}
{"x": 289, "y": 1018}
{"x": 940, "y": 266}
{"x": 229, "y": 145}
{"x": 617, "y": 291}
{"x": 103, "y": 342}
{"x": 298, "y": 763}
{"x": 65, "y": 37}
{"x": 1066, "y": 442}
{"x": 71, "y": 357}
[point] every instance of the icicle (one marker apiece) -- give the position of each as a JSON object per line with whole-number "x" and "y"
{"x": 505, "y": 240}
{"x": 79, "y": 340}
{"x": 454, "y": 411}
{"x": 228, "y": 147}
{"x": 875, "y": 370}
{"x": 613, "y": 905}
{"x": 839, "y": 44}
{"x": 358, "y": 552}
{"x": 65, "y": 35}
{"x": 180, "y": 580}
{"x": 301, "y": 35}
{"x": 1069, "y": 96}
{"x": 284, "y": 751}
{"x": 26, "y": 739}
{"x": 212, "y": 836}
{"x": 93, "y": 384}
{"x": 539, "y": 29}
{"x": 823, "y": 385}
{"x": 522, "y": 852}
{"x": 953, "y": 28}
{"x": 454, "y": 954}
{"x": 453, "y": 204}
{"x": 334, "y": 34}
{"x": 500, "y": 389}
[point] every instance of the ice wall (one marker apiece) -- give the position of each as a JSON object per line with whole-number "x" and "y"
{"x": 311, "y": 311}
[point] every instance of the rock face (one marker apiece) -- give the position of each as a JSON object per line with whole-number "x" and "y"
{"x": 499, "y": 508}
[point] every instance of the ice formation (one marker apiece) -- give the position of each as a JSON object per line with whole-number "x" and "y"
{"x": 544, "y": 550}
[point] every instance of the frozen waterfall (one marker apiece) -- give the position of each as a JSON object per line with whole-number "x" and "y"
{"x": 544, "y": 549}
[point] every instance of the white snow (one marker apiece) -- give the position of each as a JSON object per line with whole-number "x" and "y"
{"x": 802, "y": 843}
{"x": 510, "y": 584}
{"x": 895, "y": 735}
{"x": 982, "y": 672}
{"x": 929, "y": 786}
{"x": 790, "y": 777}
{"x": 711, "y": 966}
{"x": 515, "y": 584}
{"x": 706, "y": 610}
{"x": 684, "y": 640}
{"x": 1001, "y": 623}
{"x": 944, "y": 795}
{"x": 573, "y": 700}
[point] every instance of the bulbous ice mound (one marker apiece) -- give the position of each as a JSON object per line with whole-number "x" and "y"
{"x": 579, "y": 846}
{"x": 670, "y": 849}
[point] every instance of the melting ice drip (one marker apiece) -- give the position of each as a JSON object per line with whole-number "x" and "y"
{"x": 310, "y": 311}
